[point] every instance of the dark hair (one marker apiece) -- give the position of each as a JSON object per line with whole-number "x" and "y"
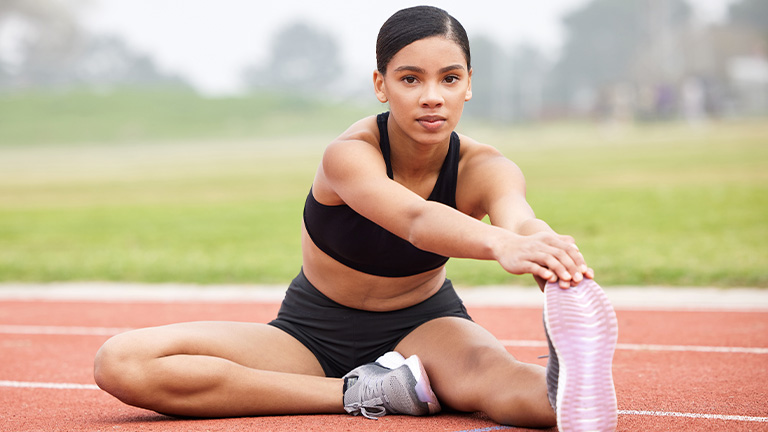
{"x": 412, "y": 24}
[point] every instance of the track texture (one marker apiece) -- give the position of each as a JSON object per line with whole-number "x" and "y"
{"x": 54, "y": 342}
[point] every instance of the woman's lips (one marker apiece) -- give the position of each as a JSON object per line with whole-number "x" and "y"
{"x": 431, "y": 122}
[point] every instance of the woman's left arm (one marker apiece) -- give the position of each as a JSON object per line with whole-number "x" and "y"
{"x": 502, "y": 196}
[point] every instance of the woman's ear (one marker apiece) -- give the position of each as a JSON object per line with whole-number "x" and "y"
{"x": 468, "y": 96}
{"x": 378, "y": 86}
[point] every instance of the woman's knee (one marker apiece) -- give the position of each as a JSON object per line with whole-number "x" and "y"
{"x": 468, "y": 379}
{"x": 519, "y": 397}
{"x": 509, "y": 391}
{"x": 117, "y": 367}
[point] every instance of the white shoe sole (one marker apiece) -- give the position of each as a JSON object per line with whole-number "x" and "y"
{"x": 393, "y": 360}
{"x": 583, "y": 329}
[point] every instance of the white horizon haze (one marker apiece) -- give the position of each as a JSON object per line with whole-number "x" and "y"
{"x": 210, "y": 43}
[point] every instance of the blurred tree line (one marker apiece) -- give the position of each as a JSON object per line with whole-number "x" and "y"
{"x": 302, "y": 59}
{"x": 651, "y": 59}
{"x": 628, "y": 60}
{"x": 43, "y": 45}
{"x": 621, "y": 60}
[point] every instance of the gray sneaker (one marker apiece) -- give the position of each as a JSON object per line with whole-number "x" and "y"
{"x": 391, "y": 385}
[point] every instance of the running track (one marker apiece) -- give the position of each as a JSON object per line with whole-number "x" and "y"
{"x": 694, "y": 360}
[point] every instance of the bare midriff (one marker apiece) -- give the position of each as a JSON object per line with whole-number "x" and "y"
{"x": 359, "y": 290}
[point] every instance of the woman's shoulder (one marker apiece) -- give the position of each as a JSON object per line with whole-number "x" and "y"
{"x": 360, "y": 140}
{"x": 484, "y": 159}
{"x": 475, "y": 151}
{"x": 364, "y": 130}
{"x": 358, "y": 146}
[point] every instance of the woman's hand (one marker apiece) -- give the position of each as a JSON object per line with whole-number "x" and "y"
{"x": 549, "y": 257}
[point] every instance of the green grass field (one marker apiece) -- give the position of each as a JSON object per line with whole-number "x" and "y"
{"x": 171, "y": 187}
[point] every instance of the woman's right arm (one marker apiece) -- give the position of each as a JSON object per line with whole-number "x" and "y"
{"x": 353, "y": 172}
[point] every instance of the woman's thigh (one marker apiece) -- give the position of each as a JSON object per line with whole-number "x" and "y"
{"x": 253, "y": 345}
{"x": 470, "y": 370}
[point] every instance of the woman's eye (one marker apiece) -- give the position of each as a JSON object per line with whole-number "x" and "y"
{"x": 409, "y": 79}
{"x": 451, "y": 79}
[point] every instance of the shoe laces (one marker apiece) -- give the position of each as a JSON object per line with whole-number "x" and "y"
{"x": 372, "y": 399}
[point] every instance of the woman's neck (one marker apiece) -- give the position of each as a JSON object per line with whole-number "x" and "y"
{"x": 412, "y": 159}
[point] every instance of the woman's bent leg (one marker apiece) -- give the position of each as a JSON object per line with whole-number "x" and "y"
{"x": 216, "y": 369}
{"x": 470, "y": 370}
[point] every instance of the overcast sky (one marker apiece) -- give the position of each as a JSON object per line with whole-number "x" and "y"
{"x": 210, "y": 41}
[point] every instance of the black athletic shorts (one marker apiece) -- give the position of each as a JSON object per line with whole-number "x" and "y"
{"x": 343, "y": 338}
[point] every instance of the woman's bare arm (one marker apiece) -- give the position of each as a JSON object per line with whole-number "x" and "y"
{"x": 355, "y": 171}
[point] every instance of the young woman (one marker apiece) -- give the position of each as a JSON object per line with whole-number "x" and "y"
{"x": 395, "y": 195}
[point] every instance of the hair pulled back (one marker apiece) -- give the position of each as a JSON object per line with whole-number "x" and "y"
{"x": 412, "y": 24}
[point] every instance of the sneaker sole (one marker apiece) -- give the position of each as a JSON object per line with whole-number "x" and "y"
{"x": 583, "y": 329}
{"x": 423, "y": 388}
{"x": 393, "y": 360}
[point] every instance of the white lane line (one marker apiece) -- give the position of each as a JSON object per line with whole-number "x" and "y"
{"x": 61, "y": 330}
{"x": 695, "y": 415}
{"x": 652, "y": 347}
{"x": 48, "y": 385}
{"x": 72, "y": 386}
{"x": 692, "y": 348}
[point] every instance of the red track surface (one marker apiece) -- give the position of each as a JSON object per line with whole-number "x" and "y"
{"x": 682, "y": 382}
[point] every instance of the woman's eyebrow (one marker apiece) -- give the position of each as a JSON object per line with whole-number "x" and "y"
{"x": 410, "y": 69}
{"x": 421, "y": 70}
{"x": 452, "y": 67}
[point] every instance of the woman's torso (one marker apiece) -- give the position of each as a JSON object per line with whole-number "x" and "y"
{"x": 361, "y": 290}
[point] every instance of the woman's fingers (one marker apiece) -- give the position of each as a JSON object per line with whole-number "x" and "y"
{"x": 563, "y": 264}
{"x": 550, "y": 257}
{"x": 562, "y": 256}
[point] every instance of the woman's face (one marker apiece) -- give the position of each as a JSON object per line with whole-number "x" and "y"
{"x": 426, "y": 85}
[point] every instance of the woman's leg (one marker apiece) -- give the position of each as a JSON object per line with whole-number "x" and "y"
{"x": 470, "y": 370}
{"x": 216, "y": 369}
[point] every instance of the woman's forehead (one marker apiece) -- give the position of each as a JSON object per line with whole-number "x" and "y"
{"x": 432, "y": 52}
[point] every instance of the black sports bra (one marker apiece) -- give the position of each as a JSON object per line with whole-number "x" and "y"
{"x": 359, "y": 243}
